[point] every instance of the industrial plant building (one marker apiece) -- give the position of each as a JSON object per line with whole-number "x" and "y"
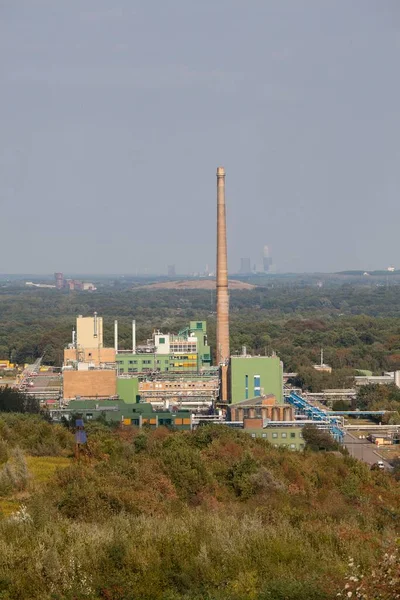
{"x": 87, "y": 349}
{"x": 188, "y": 351}
{"x": 254, "y": 376}
{"x": 128, "y": 415}
{"x": 153, "y": 382}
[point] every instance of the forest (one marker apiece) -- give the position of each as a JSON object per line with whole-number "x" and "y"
{"x": 204, "y": 515}
{"x": 357, "y": 327}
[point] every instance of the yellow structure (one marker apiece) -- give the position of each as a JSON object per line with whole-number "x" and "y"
{"x": 95, "y": 356}
{"x": 89, "y": 331}
{"x": 87, "y": 343}
{"x": 6, "y": 364}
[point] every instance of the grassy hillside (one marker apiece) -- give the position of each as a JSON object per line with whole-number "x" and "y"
{"x": 207, "y": 515}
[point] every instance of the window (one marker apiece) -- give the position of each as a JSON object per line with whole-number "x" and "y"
{"x": 293, "y": 446}
{"x": 283, "y": 445}
{"x": 300, "y": 434}
{"x": 89, "y": 416}
{"x": 292, "y": 435}
{"x": 90, "y": 354}
{"x": 147, "y": 362}
{"x": 274, "y": 435}
{"x": 253, "y": 435}
{"x": 284, "y": 435}
{"x": 133, "y": 362}
{"x": 161, "y": 341}
{"x": 246, "y": 387}
{"x": 264, "y": 435}
{"x": 199, "y": 325}
{"x": 257, "y": 385}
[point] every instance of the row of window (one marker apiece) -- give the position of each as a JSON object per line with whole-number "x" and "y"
{"x": 275, "y": 434}
{"x": 183, "y": 347}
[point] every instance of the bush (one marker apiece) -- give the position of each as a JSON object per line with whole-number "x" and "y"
{"x": 317, "y": 439}
{"x": 14, "y": 476}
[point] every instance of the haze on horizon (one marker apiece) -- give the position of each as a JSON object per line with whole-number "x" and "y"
{"x": 115, "y": 116}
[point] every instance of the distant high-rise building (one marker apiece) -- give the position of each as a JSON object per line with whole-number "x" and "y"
{"x": 245, "y": 266}
{"x": 59, "y": 278}
{"x": 267, "y": 260}
{"x": 171, "y": 271}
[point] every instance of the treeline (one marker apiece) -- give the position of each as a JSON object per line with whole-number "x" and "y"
{"x": 358, "y": 328}
{"x": 207, "y": 515}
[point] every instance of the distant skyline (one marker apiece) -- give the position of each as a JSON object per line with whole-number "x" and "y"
{"x": 115, "y": 116}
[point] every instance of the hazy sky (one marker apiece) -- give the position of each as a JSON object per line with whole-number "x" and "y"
{"x": 116, "y": 113}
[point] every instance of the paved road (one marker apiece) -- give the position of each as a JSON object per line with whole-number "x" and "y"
{"x": 363, "y": 450}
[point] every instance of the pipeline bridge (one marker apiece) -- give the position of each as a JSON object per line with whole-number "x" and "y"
{"x": 358, "y": 413}
{"x": 333, "y": 423}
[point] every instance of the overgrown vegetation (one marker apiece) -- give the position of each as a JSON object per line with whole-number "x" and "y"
{"x": 212, "y": 514}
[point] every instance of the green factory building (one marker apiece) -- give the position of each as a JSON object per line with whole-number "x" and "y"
{"x": 127, "y": 414}
{"x": 128, "y": 389}
{"x": 187, "y": 352}
{"x": 280, "y": 436}
{"x": 253, "y": 376}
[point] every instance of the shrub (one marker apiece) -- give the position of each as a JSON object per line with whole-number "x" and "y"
{"x": 317, "y": 439}
{"x": 14, "y": 476}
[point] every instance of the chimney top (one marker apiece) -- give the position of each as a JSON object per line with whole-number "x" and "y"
{"x": 220, "y": 172}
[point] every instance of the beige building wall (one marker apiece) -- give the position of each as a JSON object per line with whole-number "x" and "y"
{"x": 97, "y": 356}
{"x": 85, "y": 332}
{"x": 89, "y": 384}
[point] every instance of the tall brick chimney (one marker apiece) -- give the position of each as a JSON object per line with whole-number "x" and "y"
{"x": 222, "y": 350}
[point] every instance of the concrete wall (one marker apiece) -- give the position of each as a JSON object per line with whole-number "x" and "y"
{"x": 268, "y": 368}
{"x": 91, "y": 355}
{"x": 128, "y": 389}
{"x": 89, "y": 384}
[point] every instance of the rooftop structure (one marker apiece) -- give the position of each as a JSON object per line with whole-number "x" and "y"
{"x": 322, "y": 366}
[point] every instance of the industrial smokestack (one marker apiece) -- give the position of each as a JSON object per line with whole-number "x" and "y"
{"x": 116, "y": 336}
{"x": 222, "y": 286}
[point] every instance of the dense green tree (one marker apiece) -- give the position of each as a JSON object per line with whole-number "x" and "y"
{"x": 14, "y": 401}
{"x": 318, "y": 439}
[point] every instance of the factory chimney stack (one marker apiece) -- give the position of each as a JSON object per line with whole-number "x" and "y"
{"x": 222, "y": 349}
